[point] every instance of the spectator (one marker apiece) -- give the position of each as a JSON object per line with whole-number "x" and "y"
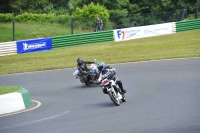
{"x": 99, "y": 25}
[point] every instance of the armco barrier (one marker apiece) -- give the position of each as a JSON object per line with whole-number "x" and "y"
{"x": 79, "y": 39}
{"x": 8, "y": 48}
{"x": 188, "y": 25}
{"x": 144, "y": 31}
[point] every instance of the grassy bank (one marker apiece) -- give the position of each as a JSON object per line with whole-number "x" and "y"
{"x": 31, "y": 30}
{"x": 179, "y": 45}
{"x": 9, "y": 89}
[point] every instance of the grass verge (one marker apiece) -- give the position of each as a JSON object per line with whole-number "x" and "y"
{"x": 179, "y": 45}
{"x": 9, "y": 89}
{"x": 30, "y": 30}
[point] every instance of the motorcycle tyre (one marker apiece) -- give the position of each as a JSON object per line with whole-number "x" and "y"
{"x": 116, "y": 102}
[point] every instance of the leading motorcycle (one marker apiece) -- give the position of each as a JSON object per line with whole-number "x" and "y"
{"x": 113, "y": 91}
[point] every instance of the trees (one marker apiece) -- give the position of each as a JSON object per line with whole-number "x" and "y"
{"x": 115, "y": 7}
{"x": 88, "y": 14}
{"x": 123, "y": 13}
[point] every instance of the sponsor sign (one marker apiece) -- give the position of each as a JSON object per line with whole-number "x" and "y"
{"x": 159, "y": 29}
{"x": 26, "y": 46}
{"x": 143, "y": 31}
{"x": 127, "y": 34}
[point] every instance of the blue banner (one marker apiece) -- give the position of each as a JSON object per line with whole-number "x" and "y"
{"x": 26, "y": 46}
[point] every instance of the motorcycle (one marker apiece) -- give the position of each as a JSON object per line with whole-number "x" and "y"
{"x": 113, "y": 91}
{"x": 93, "y": 75}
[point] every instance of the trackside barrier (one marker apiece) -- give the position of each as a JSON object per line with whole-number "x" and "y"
{"x": 79, "y": 39}
{"x": 8, "y": 48}
{"x": 15, "y": 101}
{"x": 34, "y": 45}
{"x": 188, "y": 25}
{"x": 144, "y": 31}
{"x": 173, "y": 27}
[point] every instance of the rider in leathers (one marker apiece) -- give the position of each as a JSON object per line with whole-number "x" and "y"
{"x": 83, "y": 69}
{"x": 109, "y": 72}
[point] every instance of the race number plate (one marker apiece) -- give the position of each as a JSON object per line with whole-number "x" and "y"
{"x": 105, "y": 82}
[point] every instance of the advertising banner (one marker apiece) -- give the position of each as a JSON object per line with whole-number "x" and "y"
{"x": 127, "y": 34}
{"x": 26, "y": 46}
{"x": 156, "y": 30}
{"x": 143, "y": 31}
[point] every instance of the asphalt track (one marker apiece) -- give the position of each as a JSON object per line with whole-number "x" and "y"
{"x": 162, "y": 97}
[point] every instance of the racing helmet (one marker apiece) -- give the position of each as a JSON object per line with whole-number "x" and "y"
{"x": 79, "y": 61}
{"x": 101, "y": 66}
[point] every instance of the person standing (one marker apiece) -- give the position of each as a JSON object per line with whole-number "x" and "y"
{"x": 99, "y": 25}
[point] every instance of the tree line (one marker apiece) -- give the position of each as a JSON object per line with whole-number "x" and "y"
{"x": 115, "y": 7}
{"x": 122, "y": 13}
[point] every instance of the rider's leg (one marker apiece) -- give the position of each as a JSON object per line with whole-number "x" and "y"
{"x": 85, "y": 78}
{"x": 119, "y": 82}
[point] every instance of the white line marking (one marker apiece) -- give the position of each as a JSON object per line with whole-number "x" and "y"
{"x": 26, "y": 110}
{"x": 158, "y": 60}
{"x": 36, "y": 121}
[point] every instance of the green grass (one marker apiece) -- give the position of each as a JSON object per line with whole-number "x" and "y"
{"x": 32, "y": 30}
{"x": 9, "y": 89}
{"x": 179, "y": 45}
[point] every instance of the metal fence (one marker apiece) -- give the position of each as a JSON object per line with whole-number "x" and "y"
{"x": 132, "y": 20}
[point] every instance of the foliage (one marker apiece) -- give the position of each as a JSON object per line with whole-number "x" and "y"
{"x": 121, "y": 13}
{"x": 36, "y": 17}
{"x": 114, "y": 6}
{"x": 63, "y": 19}
{"x": 91, "y": 11}
{"x": 7, "y": 17}
{"x": 191, "y": 16}
{"x": 25, "y": 17}
{"x": 34, "y": 6}
{"x": 88, "y": 14}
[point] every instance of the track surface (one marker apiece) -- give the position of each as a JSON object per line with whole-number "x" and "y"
{"x": 162, "y": 97}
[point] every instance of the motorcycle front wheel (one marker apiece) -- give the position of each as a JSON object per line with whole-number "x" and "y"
{"x": 115, "y": 101}
{"x": 123, "y": 99}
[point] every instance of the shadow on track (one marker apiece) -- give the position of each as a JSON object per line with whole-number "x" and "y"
{"x": 85, "y": 87}
{"x": 104, "y": 104}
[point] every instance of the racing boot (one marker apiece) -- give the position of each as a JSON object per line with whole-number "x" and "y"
{"x": 123, "y": 90}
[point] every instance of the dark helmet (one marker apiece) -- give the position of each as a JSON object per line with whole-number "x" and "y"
{"x": 101, "y": 66}
{"x": 79, "y": 61}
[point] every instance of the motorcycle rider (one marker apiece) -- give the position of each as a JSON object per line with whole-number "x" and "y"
{"x": 109, "y": 72}
{"x": 83, "y": 69}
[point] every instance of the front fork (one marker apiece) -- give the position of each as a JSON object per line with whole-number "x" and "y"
{"x": 115, "y": 86}
{"x": 117, "y": 91}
